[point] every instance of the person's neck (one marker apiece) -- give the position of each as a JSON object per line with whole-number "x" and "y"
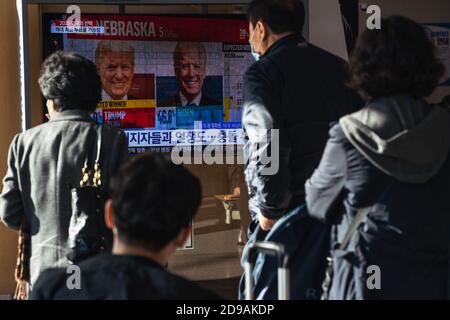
{"x": 161, "y": 257}
{"x": 273, "y": 38}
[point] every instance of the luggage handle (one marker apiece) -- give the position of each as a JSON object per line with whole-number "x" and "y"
{"x": 273, "y": 249}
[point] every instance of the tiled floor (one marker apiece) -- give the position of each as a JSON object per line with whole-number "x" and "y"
{"x": 226, "y": 288}
{"x": 215, "y": 260}
{"x": 216, "y": 254}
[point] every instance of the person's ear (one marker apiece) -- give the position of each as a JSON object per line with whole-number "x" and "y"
{"x": 183, "y": 236}
{"x": 262, "y": 29}
{"x": 109, "y": 215}
{"x": 51, "y": 108}
{"x": 176, "y": 69}
{"x": 99, "y": 65}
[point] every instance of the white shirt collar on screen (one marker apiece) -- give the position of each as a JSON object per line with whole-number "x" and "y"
{"x": 106, "y": 97}
{"x": 185, "y": 101}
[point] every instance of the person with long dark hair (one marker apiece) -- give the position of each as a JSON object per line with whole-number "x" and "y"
{"x": 386, "y": 173}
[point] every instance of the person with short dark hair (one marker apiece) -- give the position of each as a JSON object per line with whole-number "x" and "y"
{"x": 45, "y": 162}
{"x": 388, "y": 164}
{"x": 151, "y": 208}
{"x": 281, "y": 16}
{"x": 70, "y": 82}
{"x": 297, "y": 89}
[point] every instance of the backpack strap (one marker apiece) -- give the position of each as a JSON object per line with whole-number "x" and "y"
{"x": 357, "y": 220}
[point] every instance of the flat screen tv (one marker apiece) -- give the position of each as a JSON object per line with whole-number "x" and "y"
{"x": 168, "y": 80}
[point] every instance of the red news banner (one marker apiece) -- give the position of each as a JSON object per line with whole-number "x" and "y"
{"x": 158, "y": 28}
{"x": 139, "y": 112}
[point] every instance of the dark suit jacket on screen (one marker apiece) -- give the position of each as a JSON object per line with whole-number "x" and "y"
{"x": 175, "y": 101}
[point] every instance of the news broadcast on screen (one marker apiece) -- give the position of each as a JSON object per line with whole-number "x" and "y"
{"x": 167, "y": 80}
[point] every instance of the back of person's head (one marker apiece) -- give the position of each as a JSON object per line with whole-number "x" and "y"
{"x": 153, "y": 201}
{"x": 280, "y": 16}
{"x": 399, "y": 58}
{"x": 71, "y": 81}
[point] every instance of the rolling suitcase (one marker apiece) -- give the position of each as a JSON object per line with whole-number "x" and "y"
{"x": 305, "y": 243}
{"x": 272, "y": 249}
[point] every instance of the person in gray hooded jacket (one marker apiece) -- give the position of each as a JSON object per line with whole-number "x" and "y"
{"x": 390, "y": 158}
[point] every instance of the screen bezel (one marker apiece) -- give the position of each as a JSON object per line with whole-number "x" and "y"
{"x": 46, "y": 50}
{"x": 24, "y": 48}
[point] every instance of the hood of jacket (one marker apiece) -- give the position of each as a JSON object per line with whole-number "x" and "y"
{"x": 404, "y": 137}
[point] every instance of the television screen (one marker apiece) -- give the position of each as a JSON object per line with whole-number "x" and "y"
{"x": 167, "y": 80}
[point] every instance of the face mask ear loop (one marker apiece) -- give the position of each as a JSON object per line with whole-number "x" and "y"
{"x": 255, "y": 54}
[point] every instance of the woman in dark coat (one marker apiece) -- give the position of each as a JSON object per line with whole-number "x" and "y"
{"x": 45, "y": 162}
{"x": 391, "y": 158}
